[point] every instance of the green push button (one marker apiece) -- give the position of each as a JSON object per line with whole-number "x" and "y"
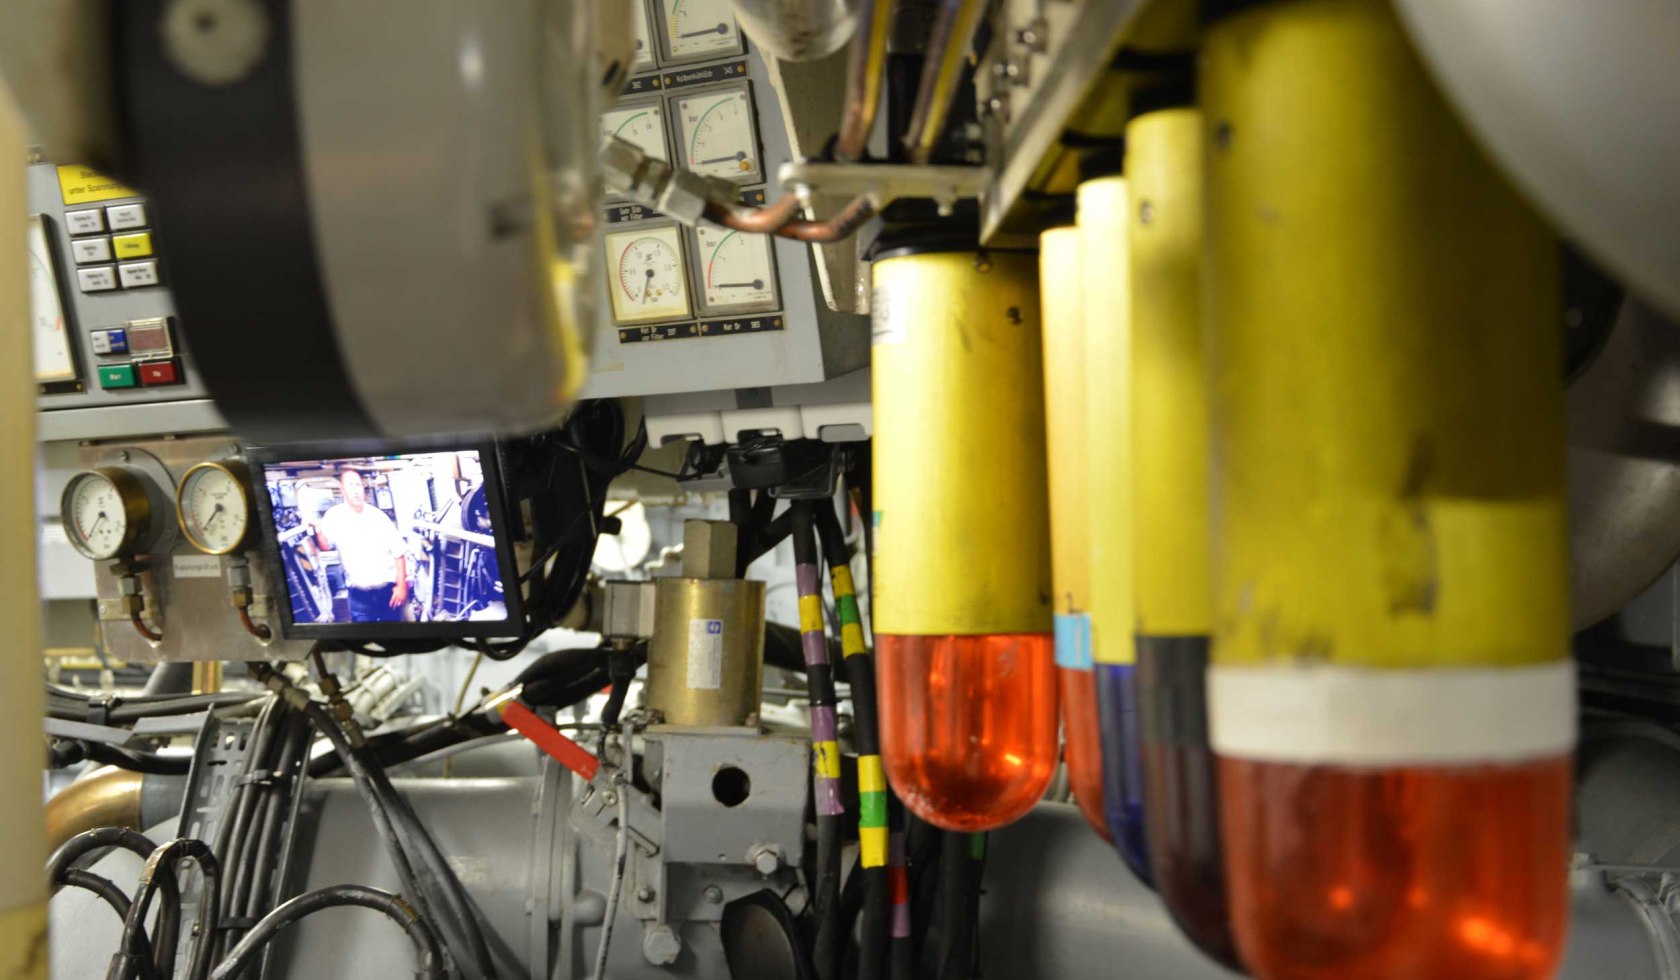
{"x": 116, "y": 376}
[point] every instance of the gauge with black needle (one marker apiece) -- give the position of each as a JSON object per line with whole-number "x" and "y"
{"x": 652, "y": 281}
{"x": 739, "y": 270}
{"x": 718, "y": 134}
{"x": 696, "y": 28}
{"x": 213, "y": 505}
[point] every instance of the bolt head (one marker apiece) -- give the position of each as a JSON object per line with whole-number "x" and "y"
{"x": 660, "y": 945}
{"x": 767, "y": 862}
{"x": 644, "y": 894}
{"x": 714, "y": 894}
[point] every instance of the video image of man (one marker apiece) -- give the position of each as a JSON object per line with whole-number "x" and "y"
{"x": 387, "y": 539}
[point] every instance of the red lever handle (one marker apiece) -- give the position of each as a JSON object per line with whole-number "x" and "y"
{"x": 565, "y": 751}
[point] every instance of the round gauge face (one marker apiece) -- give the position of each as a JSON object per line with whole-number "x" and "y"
{"x": 214, "y": 509}
{"x": 696, "y": 28}
{"x": 641, "y": 125}
{"x": 739, "y": 272}
{"x": 96, "y": 516}
{"x": 718, "y": 135}
{"x": 649, "y": 280}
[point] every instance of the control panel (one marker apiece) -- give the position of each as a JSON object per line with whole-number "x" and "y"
{"x": 708, "y": 309}
{"x": 104, "y": 326}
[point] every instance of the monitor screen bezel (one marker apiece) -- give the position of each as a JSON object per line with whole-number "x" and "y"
{"x": 262, "y": 457}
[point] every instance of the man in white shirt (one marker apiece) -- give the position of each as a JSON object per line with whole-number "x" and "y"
{"x": 370, "y": 551}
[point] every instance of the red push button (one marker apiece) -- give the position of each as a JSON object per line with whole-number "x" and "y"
{"x": 154, "y": 373}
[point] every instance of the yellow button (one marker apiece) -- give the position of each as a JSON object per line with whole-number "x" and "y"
{"x": 135, "y": 246}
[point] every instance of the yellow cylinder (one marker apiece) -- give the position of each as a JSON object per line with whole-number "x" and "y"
{"x": 706, "y": 657}
{"x": 23, "y": 914}
{"x": 1391, "y": 699}
{"x": 1106, "y": 272}
{"x": 961, "y": 508}
{"x": 1387, "y": 366}
{"x": 1169, "y": 386}
{"x": 1064, "y": 415}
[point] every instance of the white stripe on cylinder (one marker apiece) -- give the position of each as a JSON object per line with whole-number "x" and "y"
{"x": 1322, "y": 714}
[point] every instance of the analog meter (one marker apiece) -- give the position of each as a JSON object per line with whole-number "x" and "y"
{"x": 107, "y": 513}
{"x": 646, "y": 275}
{"x": 644, "y": 41}
{"x": 214, "y": 506}
{"x": 699, "y": 29}
{"x": 718, "y": 138}
{"x": 643, "y": 125}
{"x": 737, "y": 271}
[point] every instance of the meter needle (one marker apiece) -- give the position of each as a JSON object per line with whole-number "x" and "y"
{"x": 647, "y": 286}
{"x": 737, "y": 156}
{"x": 720, "y": 29}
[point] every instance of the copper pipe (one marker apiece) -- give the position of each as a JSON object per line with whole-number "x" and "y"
{"x": 779, "y": 219}
{"x": 108, "y": 797}
{"x": 258, "y": 630}
{"x": 866, "y": 72}
{"x": 151, "y": 635}
{"x": 953, "y": 34}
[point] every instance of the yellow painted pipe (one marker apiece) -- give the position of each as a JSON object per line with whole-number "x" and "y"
{"x": 23, "y": 922}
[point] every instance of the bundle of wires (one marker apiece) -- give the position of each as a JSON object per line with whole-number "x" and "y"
{"x": 437, "y": 894}
{"x": 825, "y": 749}
{"x": 873, "y": 796}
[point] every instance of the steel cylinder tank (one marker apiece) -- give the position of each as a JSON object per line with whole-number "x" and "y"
{"x": 1064, "y": 416}
{"x": 962, "y": 562}
{"x": 1391, "y": 701}
{"x": 1106, "y": 273}
{"x": 1174, "y": 586}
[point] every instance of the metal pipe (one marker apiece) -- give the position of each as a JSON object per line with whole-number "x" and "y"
{"x": 780, "y": 219}
{"x": 866, "y": 72}
{"x": 947, "y": 53}
{"x": 798, "y": 30}
{"x": 108, "y": 797}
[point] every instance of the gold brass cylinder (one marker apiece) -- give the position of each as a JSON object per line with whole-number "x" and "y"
{"x": 109, "y": 797}
{"x": 706, "y": 658}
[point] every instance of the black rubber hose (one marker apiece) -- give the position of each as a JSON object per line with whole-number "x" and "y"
{"x": 250, "y": 888}
{"x": 113, "y": 896}
{"x": 232, "y": 834}
{"x": 73, "y": 706}
{"x": 161, "y": 866}
{"x": 147, "y": 763}
{"x": 65, "y": 859}
{"x": 428, "y": 954}
{"x": 437, "y": 888}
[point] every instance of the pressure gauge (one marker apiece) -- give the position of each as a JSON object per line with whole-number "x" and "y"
{"x": 643, "y": 125}
{"x": 718, "y": 136}
{"x": 106, "y": 513}
{"x": 737, "y": 271}
{"x": 699, "y": 29}
{"x": 646, "y": 275}
{"x": 214, "y": 507}
{"x": 644, "y": 41}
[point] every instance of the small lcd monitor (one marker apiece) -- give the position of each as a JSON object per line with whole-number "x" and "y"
{"x": 388, "y": 544}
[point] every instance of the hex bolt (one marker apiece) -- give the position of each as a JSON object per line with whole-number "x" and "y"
{"x": 660, "y": 945}
{"x": 714, "y": 895}
{"x": 644, "y": 894}
{"x": 764, "y": 858}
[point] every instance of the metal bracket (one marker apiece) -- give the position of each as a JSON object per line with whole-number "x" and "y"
{"x": 884, "y": 182}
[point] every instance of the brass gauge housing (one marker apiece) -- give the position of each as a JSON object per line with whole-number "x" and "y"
{"x": 213, "y": 506}
{"x": 106, "y": 513}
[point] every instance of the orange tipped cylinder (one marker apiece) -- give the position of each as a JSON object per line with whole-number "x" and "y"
{"x": 1391, "y": 700}
{"x": 962, "y": 557}
{"x": 1065, "y": 409}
